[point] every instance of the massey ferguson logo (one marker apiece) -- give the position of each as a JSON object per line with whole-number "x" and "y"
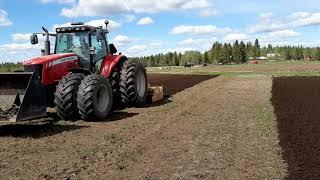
{"x": 62, "y": 60}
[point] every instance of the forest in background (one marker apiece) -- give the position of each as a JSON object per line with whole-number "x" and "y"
{"x": 236, "y": 53}
{"x": 220, "y": 53}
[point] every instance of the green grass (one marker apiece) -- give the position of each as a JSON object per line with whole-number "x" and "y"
{"x": 269, "y": 69}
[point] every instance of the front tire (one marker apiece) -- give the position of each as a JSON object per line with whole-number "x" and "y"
{"x": 94, "y": 98}
{"x": 65, "y": 96}
{"x": 115, "y": 84}
{"x": 133, "y": 83}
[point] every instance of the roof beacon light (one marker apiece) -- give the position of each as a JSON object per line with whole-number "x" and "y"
{"x": 77, "y": 24}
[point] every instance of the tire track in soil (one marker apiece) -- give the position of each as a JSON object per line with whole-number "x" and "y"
{"x": 207, "y": 136}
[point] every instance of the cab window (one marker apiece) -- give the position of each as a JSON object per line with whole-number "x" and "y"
{"x": 100, "y": 48}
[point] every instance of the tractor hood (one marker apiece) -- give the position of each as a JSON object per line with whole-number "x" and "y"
{"x": 51, "y": 58}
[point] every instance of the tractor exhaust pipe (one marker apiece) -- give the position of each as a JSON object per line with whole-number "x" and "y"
{"x": 34, "y": 40}
{"x": 22, "y": 97}
{"x": 46, "y": 42}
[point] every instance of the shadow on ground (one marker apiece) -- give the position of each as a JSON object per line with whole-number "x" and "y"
{"x": 36, "y": 130}
{"x": 116, "y": 116}
{"x": 296, "y": 102}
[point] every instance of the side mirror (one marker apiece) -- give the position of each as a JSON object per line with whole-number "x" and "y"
{"x": 99, "y": 34}
{"x": 34, "y": 39}
{"x": 113, "y": 49}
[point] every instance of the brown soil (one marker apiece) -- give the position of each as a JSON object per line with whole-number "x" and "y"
{"x": 222, "y": 128}
{"x": 296, "y": 101}
{"x": 174, "y": 83}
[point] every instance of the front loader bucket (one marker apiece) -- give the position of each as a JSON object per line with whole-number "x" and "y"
{"x": 22, "y": 97}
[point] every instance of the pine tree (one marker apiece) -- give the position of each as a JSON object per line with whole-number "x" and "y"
{"x": 256, "y": 49}
{"x": 317, "y": 54}
{"x": 287, "y": 53}
{"x": 236, "y": 52}
{"x": 230, "y": 55}
{"x": 224, "y": 54}
{"x": 215, "y": 52}
{"x": 270, "y": 48}
{"x": 249, "y": 49}
{"x": 243, "y": 52}
{"x": 205, "y": 57}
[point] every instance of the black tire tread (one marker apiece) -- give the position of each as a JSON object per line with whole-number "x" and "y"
{"x": 127, "y": 83}
{"x": 114, "y": 79}
{"x": 85, "y": 96}
{"x": 65, "y": 96}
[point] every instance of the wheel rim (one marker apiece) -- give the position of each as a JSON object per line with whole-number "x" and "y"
{"x": 141, "y": 83}
{"x": 102, "y": 98}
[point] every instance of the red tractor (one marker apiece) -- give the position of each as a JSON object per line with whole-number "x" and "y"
{"x": 83, "y": 77}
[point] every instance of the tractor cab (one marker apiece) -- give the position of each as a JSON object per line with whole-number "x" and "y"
{"x": 87, "y": 42}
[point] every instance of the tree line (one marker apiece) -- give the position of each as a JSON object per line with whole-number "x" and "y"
{"x": 10, "y": 67}
{"x": 235, "y": 53}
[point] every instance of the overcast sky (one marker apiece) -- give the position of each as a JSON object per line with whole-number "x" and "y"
{"x": 144, "y": 27}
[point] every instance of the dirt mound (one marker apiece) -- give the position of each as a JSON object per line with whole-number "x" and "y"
{"x": 296, "y": 101}
{"x": 174, "y": 83}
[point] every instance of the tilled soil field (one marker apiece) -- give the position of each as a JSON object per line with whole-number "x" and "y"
{"x": 210, "y": 128}
{"x": 174, "y": 83}
{"x": 296, "y": 101}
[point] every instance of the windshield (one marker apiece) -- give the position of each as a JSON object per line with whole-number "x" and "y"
{"x": 77, "y": 42}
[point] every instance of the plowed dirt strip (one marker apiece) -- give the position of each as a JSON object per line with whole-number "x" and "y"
{"x": 297, "y": 105}
{"x": 222, "y": 128}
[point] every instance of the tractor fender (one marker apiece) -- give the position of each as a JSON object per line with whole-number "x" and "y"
{"x": 110, "y": 62}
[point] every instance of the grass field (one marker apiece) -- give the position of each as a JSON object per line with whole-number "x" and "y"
{"x": 234, "y": 125}
{"x": 268, "y": 69}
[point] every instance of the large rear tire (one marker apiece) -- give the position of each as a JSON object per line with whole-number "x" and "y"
{"x": 133, "y": 83}
{"x": 65, "y": 96}
{"x": 94, "y": 98}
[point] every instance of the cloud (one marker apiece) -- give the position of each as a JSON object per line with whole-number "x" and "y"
{"x": 283, "y": 34}
{"x": 95, "y": 8}
{"x": 208, "y": 13}
{"x": 267, "y": 15}
{"x": 58, "y": 1}
{"x": 145, "y": 21}
{"x": 4, "y": 19}
{"x": 305, "y": 19}
{"x": 294, "y": 20}
{"x": 18, "y": 52}
{"x": 197, "y": 42}
{"x": 196, "y": 4}
{"x": 114, "y": 7}
{"x": 121, "y": 40}
{"x": 113, "y": 25}
{"x": 21, "y": 37}
{"x": 18, "y": 47}
{"x": 130, "y": 18}
{"x": 236, "y": 36}
{"x": 199, "y": 30}
{"x": 136, "y": 49}
{"x": 299, "y": 15}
